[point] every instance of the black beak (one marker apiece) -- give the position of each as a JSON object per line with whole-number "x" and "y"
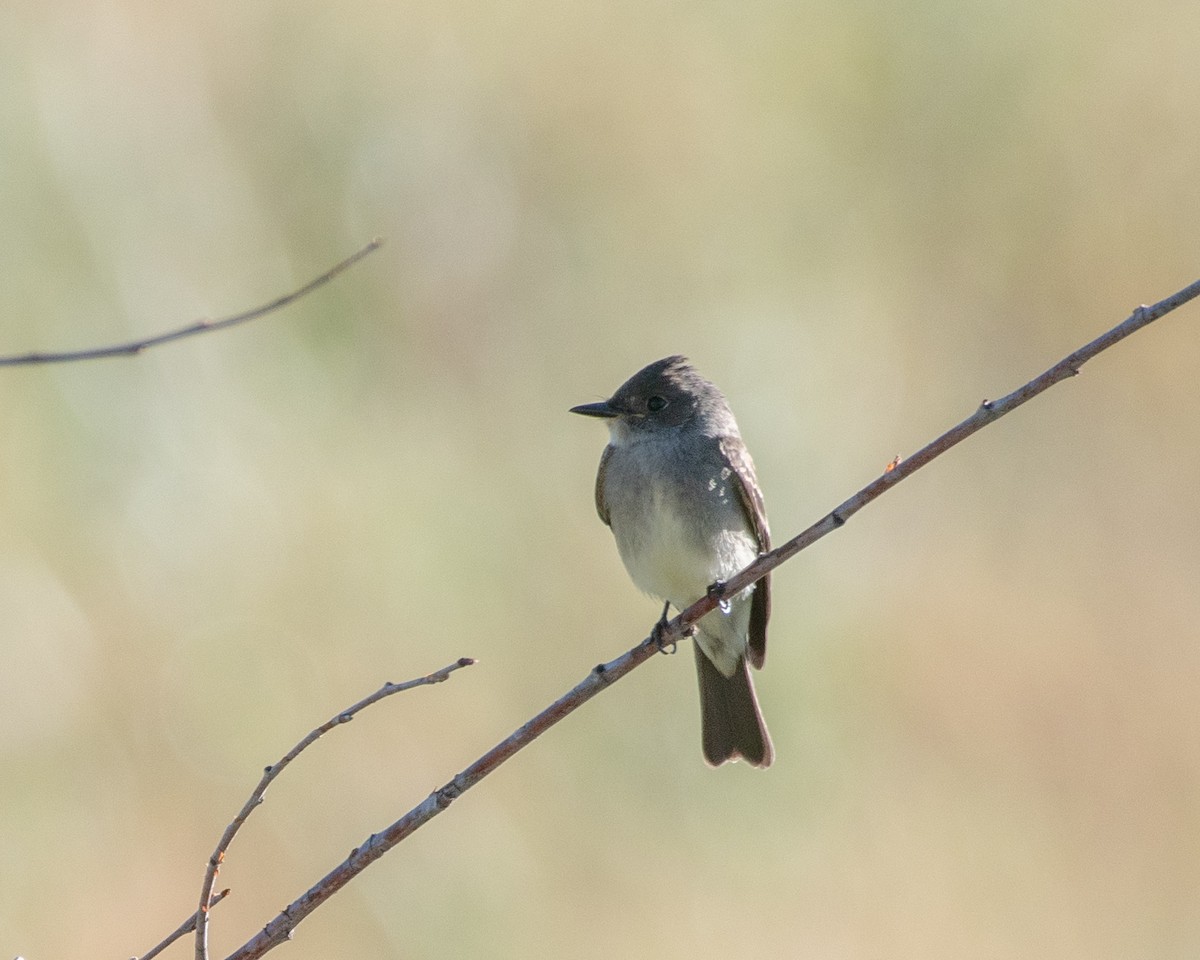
{"x": 601, "y": 409}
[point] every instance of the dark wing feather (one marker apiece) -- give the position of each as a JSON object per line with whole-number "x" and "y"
{"x": 601, "y": 505}
{"x": 756, "y": 513}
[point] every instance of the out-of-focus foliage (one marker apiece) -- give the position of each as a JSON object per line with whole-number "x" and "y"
{"x": 858, "y": 218}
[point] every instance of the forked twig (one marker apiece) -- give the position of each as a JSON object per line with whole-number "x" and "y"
{"x": 280, "y": 928}
{"x": 182, "y": 930}
{"x": 273, "y": 771}
{"x": 200, "y": 326}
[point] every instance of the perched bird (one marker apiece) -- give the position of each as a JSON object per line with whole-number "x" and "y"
{"x": 677, "y": 486}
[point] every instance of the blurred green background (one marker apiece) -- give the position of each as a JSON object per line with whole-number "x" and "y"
{"x": 858, "y": 218}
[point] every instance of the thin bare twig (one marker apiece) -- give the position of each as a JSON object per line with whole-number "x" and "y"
{"x": 988, "y": 412}
{"x": 182, "y": 930}
{"x": 280, "y": 928}
{"x": 200, "y": 326}
{"x": 273, "y": 771}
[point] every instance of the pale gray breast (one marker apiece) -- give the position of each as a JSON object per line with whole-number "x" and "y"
{"x": 676, "y": 515}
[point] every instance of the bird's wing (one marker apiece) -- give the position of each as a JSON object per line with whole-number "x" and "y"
{"x": 756, "y": 514}
{"x": 601, "y": 505}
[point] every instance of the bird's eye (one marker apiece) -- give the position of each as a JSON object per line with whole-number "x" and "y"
{"x": 656, "y": 403}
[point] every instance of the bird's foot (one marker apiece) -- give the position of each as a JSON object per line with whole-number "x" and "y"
{"x": 716, "y": 590}
{"x": 658, "y": 634}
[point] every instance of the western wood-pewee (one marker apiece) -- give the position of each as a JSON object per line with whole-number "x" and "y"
{"x": 677, "y": 487}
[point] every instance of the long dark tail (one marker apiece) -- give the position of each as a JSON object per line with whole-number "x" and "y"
{"x": 731, "y": 722}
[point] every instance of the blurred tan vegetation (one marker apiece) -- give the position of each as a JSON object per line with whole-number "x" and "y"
{"x": 858, "y": 218}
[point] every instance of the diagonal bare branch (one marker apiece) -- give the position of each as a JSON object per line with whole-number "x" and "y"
{"x": 988, "y": 412}
{"x": 134, "y": 347}
{"x": 273, "y": 771}
{"x": 280, "y": 928}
